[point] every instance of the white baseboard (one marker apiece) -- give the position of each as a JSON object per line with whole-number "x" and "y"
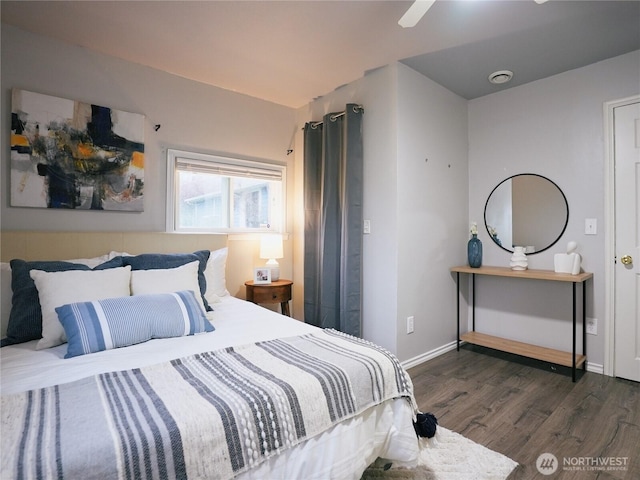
{"x": 436, "y": 352}
{"x": 415, "y": 361}
{"x": 595, "y": 368}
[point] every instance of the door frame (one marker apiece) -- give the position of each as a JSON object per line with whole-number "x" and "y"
{"x": 609, "y": 231}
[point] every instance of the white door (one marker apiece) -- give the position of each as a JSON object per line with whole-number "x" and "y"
{"x": 627, "y": 238}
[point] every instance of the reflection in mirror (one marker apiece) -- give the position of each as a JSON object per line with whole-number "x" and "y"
{"x": 526, "y": 210}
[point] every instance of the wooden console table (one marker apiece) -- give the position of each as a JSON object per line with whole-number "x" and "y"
{"x": 558, "y": 357}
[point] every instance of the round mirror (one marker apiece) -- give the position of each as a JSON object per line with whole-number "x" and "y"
{"x": 526, "y": 210}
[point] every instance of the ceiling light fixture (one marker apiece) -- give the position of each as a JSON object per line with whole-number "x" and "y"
{"x": 501, "y": 76}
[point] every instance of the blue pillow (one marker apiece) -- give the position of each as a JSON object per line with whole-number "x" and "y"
{"x": 155, "y": 261}
{"x": 25, "y": 318}
{"x": 119, "y": 322}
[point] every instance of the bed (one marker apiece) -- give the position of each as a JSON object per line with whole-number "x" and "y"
{"x": 237, "y": 392}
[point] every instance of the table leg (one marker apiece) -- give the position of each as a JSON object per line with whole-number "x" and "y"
{"x": 285, "y": 308}
{"x": 473, "y": 304}
{"x": 573, "y": 359}
{"x": 458, "y": 310}
{"x": 584, "y": 324}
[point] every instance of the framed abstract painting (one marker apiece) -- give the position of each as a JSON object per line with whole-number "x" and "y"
{"x": 75, "y": 155}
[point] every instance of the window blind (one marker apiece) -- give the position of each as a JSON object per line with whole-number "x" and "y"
{"x": 228, "y": 170}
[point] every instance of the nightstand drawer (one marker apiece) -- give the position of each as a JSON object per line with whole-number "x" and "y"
{"x": 270, "y": 294}
{"x": 274, "y": 292}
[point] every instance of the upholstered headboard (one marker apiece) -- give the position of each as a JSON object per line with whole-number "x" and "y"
{"x": 27, "y": 245}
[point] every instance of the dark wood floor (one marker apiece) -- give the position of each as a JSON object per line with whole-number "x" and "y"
{"x": 524, "y": 411}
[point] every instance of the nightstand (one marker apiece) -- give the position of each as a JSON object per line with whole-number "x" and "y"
{"x": 274, "y": 292}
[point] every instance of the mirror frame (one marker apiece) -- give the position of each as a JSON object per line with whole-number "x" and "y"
{"x": 564, "y": 227}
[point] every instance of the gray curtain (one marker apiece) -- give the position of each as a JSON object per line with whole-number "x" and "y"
{"x": 333, "y": 221}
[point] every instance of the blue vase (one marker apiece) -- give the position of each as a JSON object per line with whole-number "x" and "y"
{"x": 474, "y": 252}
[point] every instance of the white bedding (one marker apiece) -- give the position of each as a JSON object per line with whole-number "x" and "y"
{"x": 342, "y": 452}
{"x": 236, "y": 321}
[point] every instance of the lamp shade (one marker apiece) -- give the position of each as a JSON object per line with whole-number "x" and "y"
{"x": 271, "y": 246}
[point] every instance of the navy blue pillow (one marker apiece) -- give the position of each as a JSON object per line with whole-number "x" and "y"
{"x": 155, "y": 261}
{"x": 25, "y": 319}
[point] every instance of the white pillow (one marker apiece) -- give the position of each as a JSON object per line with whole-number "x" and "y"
{"x": 91, "y": 262}
{"x": 59, "y": 288}
{"x": 168, "y": 280}
{"x": 95, "y": 261}
{"x": 113, "y": 254}
{"x": 215, "y": 275}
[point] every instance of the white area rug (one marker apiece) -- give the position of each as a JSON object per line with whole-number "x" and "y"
{"x": 450, "y": 457}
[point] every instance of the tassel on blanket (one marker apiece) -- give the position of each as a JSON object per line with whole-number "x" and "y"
{"x": 425, "y": 425}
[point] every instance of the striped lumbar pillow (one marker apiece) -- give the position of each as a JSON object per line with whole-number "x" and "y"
{"x": 119, "y": 322}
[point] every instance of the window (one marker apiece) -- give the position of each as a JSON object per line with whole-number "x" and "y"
{"x": 213, "y": 193}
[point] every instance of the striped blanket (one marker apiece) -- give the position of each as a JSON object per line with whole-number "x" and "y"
{"x": 211, "y": 415}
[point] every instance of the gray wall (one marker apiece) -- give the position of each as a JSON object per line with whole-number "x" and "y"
{"x": 432, "y": 210}
{"x": 418, "y": 210}
{"x": 553, "y": 127}
{"x": 192, "y": 115}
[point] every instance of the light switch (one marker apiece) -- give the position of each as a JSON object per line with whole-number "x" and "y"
{"x": 366, "y": 228}
{"x": 590, "y": 226}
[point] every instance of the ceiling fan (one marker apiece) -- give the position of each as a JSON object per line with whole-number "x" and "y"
{"x": 419, "y": 7}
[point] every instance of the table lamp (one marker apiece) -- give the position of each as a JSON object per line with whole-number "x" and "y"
{"x": 271, "y": 248}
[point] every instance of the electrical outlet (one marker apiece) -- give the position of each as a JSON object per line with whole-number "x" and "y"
{"x": 409, "y": 324}
{"x": 592, "y": 326}
{"x": 366, "y": 227}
